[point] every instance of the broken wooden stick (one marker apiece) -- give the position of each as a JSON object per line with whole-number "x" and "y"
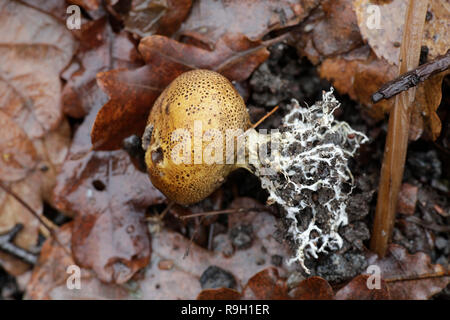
{"x": 412, "y": 78}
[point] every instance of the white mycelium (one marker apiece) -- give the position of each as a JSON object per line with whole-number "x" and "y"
{"x": 310, "y": 168}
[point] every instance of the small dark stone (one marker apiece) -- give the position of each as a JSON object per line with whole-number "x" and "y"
{"x": 214, "y": 277}
{"x": 276, "y": 260}
{"x": 241, "y": 236}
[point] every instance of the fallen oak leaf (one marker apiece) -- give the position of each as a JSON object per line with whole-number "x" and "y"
{"x": 312, "y": 288}
{"x": 30, "y": 91}
{"x": 219, "y": 294}
{"x": 18, "y": 155}
{"x": 424, "y": 115}
{"x": 359, "y": 74}
{"x": 385, "y": 39}
{"x": 148, "y": 17}
{"x": 410, "y": 276}
{"x": 209, "y": 21}
{"x": 358, "y": 289}
{"x": 132, "y": 92}
{"x": 33, "y": 189}
{"x": 266, "y": 285}
{"x": 108, "y": 197}
{"x": 50, "y": 274}
{"x": 12, "y": 212}
{"x": 100, "y": 50}
{"x": 234, "y": 56}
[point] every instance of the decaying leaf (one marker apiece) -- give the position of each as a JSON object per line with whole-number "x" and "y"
{"x": 108, "y": 197}
{"x": 357, "y": 289}
{"x": 330, "y": 37}
{"x": 34, "y": 187}
{"x": 147, "y": 17}
{"x": 181, "y": 280}
{"x": 266, "y": 285}
{"x": 100, "y": 50}
{"x": 312, "y": 288}
{"x": 219, "y": 294}
{"x": 410, "y": 276}
{"x": 34, "y": 48}
{"x": 382, "y": 27}
{"x": 424, "y": 116}
{"x": 403, "y": 276}
{"x": 209, "y": 21}
{"x": 359, "y": 74}
{"x": 49, "y": 278}
{"x": 30, "y": 91}
{"x": 18, "y": 156}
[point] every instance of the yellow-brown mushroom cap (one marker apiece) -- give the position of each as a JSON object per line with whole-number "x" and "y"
{"x": 210, "y": 99}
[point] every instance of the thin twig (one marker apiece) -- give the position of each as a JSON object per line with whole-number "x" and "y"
{"x": 7, "y": 245}
{"x": 264, "y": 118}
{"x": 439, "y": 274}
{"x": 34, "y": 214}
{"x": 216, "y": 212}
{"x": 412, "y": 78}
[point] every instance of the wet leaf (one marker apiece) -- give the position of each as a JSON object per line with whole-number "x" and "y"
{"x": 209, "y": 21}
{"x": 359, "y": 74}
{"x": 410, "y": 276}
{"x": 182, "y": 280}
{"x": 108, "y": 197}
{"x": 30, "y": 91}
{"x": 18, "y": 156}
{"x": 219, "y": 294}
{"x": 33, "y": 188}
{"x": 386, "y": 38}
{"x": 148, "y": 17}
{"x": 132, "y": 92}
{"x": 312, "y": 288}
{"x": 266, "y": 285}
{"x": 100, "y": 50}
{"x": 12, "y": 212}
{"x": 87, "y": 4}
{"x": 357, "y": 289}
{"x": 424, "y": 117}
{"x": 50, "y": 275}
{"x": 330, "y": 37}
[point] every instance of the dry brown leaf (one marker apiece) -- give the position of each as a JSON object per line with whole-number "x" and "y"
{"x": 386, "y": 40}
{"x": 30, "y": 91}
{"x": 330, "y": 38}
{"x": 12, "y": 212}
{"x": 360, "y": 75}
{"x": 424, "y": 116}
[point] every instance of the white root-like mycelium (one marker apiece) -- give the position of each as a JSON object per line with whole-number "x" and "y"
{"x": 306, "y": 173}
